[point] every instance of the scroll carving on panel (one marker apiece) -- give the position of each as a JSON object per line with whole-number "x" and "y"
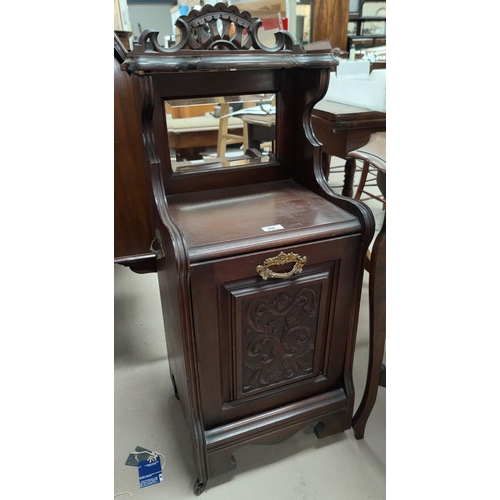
{"x": 279, "y": 336}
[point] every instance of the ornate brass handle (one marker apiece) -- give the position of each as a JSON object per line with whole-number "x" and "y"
{"x": 283, "y": 258}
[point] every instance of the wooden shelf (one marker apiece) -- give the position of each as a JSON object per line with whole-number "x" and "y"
{"x": 237, "y": 216}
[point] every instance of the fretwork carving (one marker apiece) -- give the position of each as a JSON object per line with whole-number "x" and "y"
{"x": 279, "y": 335}
{"x": 218, "y": 27}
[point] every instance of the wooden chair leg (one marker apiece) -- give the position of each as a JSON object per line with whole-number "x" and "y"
{"x": 377, "y": 333}
{"x": 223, "y": 127}
{"x": 246, "y": 139}
{"x": 381, "y": 382}
{"x": 362, "y": 180}
{"x": 349, "y": 171}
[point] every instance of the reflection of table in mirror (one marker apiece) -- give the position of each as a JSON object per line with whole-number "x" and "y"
{"x": 342, "y": 128}
{"x": 199, "y": 124}
{"x": 260, "y": 128}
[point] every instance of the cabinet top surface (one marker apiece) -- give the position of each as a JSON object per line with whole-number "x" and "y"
{"x": 237, "y": 220}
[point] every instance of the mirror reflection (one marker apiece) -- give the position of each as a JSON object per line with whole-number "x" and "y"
{"x": 217, "y": 132}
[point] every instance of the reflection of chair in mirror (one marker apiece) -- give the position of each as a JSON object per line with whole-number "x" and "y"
{"x": 260, "y": 132}
{"x": 260, "y": 129}
{"x": 260, "y": 265}
{"x": 257, "y": 128}
{"x": 226, "y": 137}
{"x": 193, "y": 128}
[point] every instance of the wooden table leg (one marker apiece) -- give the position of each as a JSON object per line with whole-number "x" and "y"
{"x": 376, "y": 291}
{"x": 349, "y": 171}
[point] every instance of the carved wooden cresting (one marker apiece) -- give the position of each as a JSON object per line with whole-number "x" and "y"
{"x": 260, "y": 264}
{"x": 218, "y": 27}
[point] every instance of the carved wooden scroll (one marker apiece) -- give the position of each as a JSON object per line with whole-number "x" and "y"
{"x": 279, "y": 338}
{"x": 218, "y": 27}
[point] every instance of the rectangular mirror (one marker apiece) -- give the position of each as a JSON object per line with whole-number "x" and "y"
{"x": 219, "y": 132}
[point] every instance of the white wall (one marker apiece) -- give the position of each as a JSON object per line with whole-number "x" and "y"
{"x": 151, "y": 16}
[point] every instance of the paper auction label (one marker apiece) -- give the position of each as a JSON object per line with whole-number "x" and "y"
{"x": 272, "y": 228}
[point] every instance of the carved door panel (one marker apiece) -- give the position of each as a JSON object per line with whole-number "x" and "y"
{"x": 261, "y": 344}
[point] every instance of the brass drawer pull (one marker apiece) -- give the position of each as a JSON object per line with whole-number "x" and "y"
{"x": 283, "y": 258}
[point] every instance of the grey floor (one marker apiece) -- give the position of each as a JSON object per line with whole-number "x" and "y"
{"x": 148, "y": 415}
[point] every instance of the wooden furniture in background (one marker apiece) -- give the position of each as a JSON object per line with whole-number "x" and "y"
{"x": 260, "y": 264}
{"x": 225, "y": 136}
{"x": 132, "y": 226}
{"x": 342, "y": 128}
{"x": 189, "y": 111}
{"x": 252, "y": 124}
{"x": 194, "y": 128}
{"x": 329, "y": 20}
{"x": 124, "y": 37}
{"x": 361, "y": 37}
{"x": 260, "y": 129}
{"x": 374, "y": 153}
{"x": 366, "y": 170}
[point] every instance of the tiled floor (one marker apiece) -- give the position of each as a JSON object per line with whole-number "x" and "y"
{"x": 147, "y": 414}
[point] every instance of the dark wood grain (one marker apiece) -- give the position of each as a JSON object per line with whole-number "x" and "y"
{"x": 132, "y": 225}
{"x": 220, "y": 290}
{"x": 237, "y": 215}
{"x": 272, "y": 427}
{"x": 330, "y": 19}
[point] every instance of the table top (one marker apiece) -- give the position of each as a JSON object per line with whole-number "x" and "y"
{"x": 345, "y": 116}
{"x": 338, "y": 107}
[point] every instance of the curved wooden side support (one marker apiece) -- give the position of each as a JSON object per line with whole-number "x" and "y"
{"x": 367, "y": 220}
{"x": 312, "y": 176}
{"x": 174, "y": 277}
{"x": 377, "y": 286}
{"x": 374, "y": 153}
{"x": 174, "y": 281}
